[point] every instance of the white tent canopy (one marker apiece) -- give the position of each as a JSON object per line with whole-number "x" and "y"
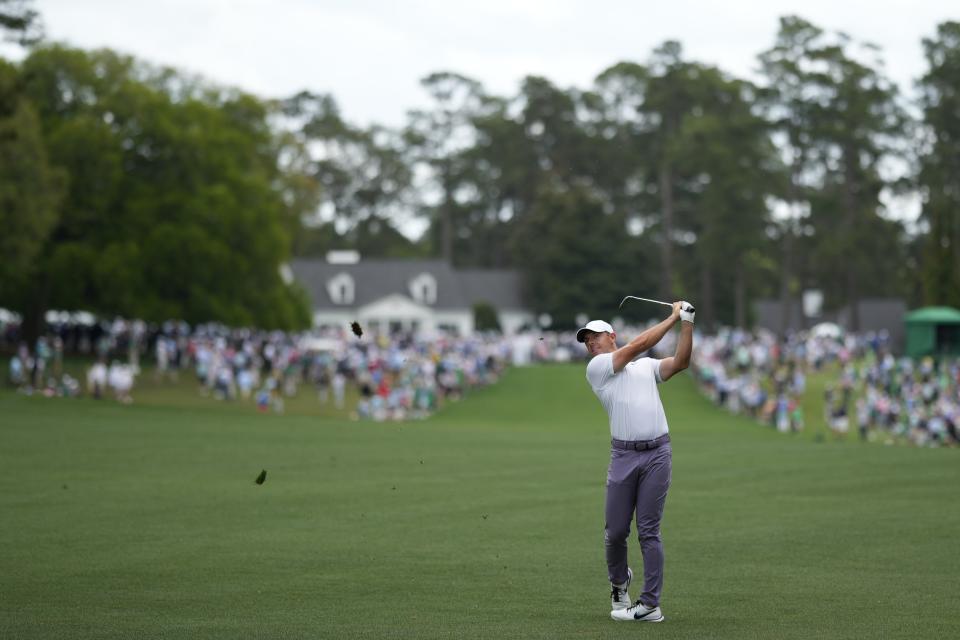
{"x": 72, "y": 317}
{"x": 826, "y": 330}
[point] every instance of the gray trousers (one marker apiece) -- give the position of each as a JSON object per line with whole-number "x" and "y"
{"x": 637, "y": 481}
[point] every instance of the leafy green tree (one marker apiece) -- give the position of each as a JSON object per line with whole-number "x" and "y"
{"x": 172, "y": 208}
{"x": 699, "y": 163}
{"x": 437, "y": 140}
{"x": 497, "y": 184}
{"x": 940, "y": 167}
{"x": 786, "y": 104}
{"x": 30, "y": 188}
{"x": 485, "y": 317}
{"x": 632, "y": 165}
{"x": 181, "y": 199}
{"x": 578, "y": 259}
{"x": 671, "y": 97}
{"x": 362, "y": 175}
{"x": 544, "y": 147}
{"x": 521, "y": 145}
{"x": 553, "y": 122}
{"x": 646, "y": 107}
{"x": 850, "y": 122}
{"x": 727, "y": 149}
{"x": 379, "y": 237}
{"x": 300, "y": 190}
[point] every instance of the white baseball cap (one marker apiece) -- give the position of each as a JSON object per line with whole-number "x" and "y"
{"x": 597, "y": 326}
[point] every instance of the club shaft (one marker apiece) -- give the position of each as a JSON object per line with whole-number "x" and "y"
{"x": 666, "y": 304}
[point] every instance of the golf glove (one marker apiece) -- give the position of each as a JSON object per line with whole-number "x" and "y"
{"x": 687, "y": 312}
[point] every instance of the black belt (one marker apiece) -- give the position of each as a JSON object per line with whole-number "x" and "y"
{"x": 640, "y": 445}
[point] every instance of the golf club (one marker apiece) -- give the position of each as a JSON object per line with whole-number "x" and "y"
{"x": 666, "y": 304}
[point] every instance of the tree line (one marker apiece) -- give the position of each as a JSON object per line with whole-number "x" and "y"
{"x": 142, "y": 191}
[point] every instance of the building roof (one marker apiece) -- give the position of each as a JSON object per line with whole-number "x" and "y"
{"x": 376, "y": 279}
{"x": 502, "y": 288}
{"x": 933, "y": 315}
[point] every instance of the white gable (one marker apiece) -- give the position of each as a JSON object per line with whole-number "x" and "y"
{"x": 394, "y": 307}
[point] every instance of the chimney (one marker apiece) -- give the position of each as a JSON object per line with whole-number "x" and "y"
{"x": 343, "y": 257}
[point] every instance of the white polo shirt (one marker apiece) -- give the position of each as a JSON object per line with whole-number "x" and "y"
{"x": 630, "y": 397}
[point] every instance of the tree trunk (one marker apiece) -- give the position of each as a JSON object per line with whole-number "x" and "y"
{"x": 446, "y": 212}
{"x": 851, "y": 263}
{"x": 740, "y": 295}
{"x": 33, "y": 323}
{"x": 497, "y": 258}
{"x": 786, "y": 276}
{"x": 705, "y": 306}
{"x": 666, "y": 243}
{"x": 787, "y": 265}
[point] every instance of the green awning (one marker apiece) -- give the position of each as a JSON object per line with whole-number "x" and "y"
{"x": 933, "y": 315}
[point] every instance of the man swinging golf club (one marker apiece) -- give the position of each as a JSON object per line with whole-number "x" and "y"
{"x": 640, "y": 455}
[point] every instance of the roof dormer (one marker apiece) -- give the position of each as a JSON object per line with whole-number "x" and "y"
{"x": 423, "y": 288}
{"x": 341, "y": 288}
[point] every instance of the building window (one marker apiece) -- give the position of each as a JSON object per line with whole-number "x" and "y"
{"x": 341, "y": 289}
{"x": 423, "y": 288}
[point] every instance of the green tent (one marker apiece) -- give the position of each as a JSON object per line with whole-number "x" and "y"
{"x": 933, "y": 331}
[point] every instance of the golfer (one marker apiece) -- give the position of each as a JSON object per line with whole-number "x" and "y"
{"x": 640, "y": 455}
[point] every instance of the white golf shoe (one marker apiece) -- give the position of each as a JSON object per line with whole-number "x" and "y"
{"x": 619, "y": 598}
{"x": 638, "y": 613}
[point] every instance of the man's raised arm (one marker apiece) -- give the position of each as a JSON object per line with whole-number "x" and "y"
{"x": 681, "y": 359}
{"x": 645, "y": 341}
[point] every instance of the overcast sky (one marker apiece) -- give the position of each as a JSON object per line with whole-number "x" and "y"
{"x": 370, "y": 54}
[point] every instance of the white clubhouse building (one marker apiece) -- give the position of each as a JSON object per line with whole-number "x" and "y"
{"x": 407, "y": 294}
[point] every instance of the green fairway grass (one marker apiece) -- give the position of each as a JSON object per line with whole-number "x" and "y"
{"x": 485, "y": 521}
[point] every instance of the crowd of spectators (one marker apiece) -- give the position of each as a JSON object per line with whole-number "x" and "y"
{"x": 884, "y": 398}
{"x": 756, "y": 374}
{"x": 41, "y": 370}
{"x": 394, "y": 377}
{"x": 401, "y": 376}
{"x": 917, "y": 401}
